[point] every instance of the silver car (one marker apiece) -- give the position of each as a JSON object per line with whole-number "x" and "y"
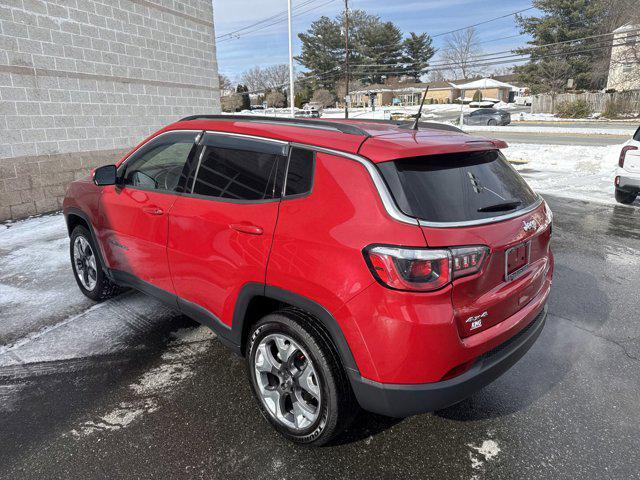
{"x": 487, "y": 116}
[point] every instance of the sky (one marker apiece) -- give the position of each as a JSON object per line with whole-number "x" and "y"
{"x": 269, "y": 46}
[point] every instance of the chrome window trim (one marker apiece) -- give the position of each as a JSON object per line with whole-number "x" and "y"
{"x": 383, "y": 191}
{"x": 385, "y": 195}
{"x": 483, "y": 221}
{"x": 390, "y": 204}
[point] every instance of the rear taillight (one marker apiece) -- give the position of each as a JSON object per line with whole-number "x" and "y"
{"x": 623, "y": 154}
{"x": 423, "y": 269}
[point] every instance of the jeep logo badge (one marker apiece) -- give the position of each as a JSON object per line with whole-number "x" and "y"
{"x": 529, "y": 226}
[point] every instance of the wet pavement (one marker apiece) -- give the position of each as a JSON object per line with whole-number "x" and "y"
{"x": 131, "y": 389}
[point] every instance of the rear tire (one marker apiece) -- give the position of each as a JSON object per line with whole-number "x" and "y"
{"x": 625, "y": 198}
{"x": 87, "y": 267}
{"x": 311, "y": 409}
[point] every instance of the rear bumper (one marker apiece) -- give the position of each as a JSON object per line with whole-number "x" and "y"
{"x": 628, "y": 182}
{"x": 396, "y": 400}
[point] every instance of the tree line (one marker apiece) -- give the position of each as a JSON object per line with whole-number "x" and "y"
{"x": 581, "y": 49}
{"x": 567, "y": 42}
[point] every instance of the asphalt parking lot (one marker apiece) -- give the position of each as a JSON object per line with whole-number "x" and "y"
{"x": 131, "y": 389}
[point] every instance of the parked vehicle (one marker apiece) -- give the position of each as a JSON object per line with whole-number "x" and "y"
{"x": 310, "y": 110}
{"x": 487, "y": 116}
{"x": 352, "y": 263}
{"x": 627, "y": 182}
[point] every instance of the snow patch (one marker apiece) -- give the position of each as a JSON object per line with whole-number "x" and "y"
{"x": 178, "y": 364}
{"x": 485, "y": 452}
{"x": 626, "y": 132}
{"x": 580, "y": 172}
{"x": 117, "y": 419}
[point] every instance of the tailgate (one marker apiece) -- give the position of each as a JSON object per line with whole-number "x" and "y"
{"x": 632, "y": 158}
{"x": 500, "y": 289}
{"x": 478, "y": 199}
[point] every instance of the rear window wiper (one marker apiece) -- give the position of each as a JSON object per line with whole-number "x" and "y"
{"x": 501, "y": 207}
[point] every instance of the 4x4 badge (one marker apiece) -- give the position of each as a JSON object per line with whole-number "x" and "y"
{"x": 529, "y": 226}
{"x": 476, "y": 322}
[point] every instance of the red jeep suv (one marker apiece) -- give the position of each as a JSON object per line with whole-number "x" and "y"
{"x": 352, "y": 263}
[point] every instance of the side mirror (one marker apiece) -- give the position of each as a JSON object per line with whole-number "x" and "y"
{"x": 106, "y": 175}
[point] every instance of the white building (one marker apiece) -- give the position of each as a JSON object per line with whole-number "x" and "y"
{"x": 624, "y": 69}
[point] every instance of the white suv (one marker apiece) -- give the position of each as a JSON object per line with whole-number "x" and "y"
{"x": 628, "y": 173}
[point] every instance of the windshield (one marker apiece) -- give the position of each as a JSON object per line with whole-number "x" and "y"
{"x": 457, "y": 187}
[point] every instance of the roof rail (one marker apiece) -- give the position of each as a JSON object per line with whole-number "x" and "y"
{"x": 347, "y": 128}
{"x": 409, "y": 123}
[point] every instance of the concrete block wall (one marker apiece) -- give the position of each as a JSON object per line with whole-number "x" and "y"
{"x": 83, "y": 81}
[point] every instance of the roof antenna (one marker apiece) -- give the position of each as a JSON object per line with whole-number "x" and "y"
{"x": 419, "y": 114}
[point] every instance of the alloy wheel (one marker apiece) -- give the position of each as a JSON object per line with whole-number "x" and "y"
{"x": 287, "y": 381}
{"x": 85, "y": 263}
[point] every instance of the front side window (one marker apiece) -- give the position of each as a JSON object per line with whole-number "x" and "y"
{"x": 159, "y": 164}
{"x": 239, "y": 169}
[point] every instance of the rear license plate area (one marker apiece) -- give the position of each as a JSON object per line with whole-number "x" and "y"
{"x": 516, "y": 260}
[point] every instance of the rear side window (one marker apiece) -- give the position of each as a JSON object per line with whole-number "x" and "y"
{"x": 300, "y": 172}
{"x": 457, "y": 187}
{"x": 637, "y": 135}
{"x": 239, "y": 169}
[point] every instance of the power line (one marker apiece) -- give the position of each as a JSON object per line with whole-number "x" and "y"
{"x": 334, "y": 75}
{"x": 272, "y": 17}
{"x": 483, "y": 22}
{"x": 275, "y": 22}
{"x": 514, "y": 52}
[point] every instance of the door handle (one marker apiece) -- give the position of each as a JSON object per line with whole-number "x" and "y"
{"x": 153, "y": 210}
{"x": 245, "y": 228}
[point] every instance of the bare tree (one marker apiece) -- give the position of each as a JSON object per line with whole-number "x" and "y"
{"x": 555, "y": 73}
{"x": 254, "y": 79}
{"x": 274, "y": 77}
{"x": 460, "y": 52}
{"x": 275, "y": 99}
{"x": 436, "y": 76}
{"x": 231, "y": 103}
{"x": 323, "y": 97}
{"x": 224, "y": 83}
{"x": 277, "y": 76}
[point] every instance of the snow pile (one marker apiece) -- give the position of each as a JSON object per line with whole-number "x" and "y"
{"x": 582, "y": 172}
{"x": 623, "y": 131}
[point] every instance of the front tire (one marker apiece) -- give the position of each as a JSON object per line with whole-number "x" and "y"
{"x": 625, "y": 198}
{"x": 87, "y": 267}
{"x": 492, "y": 123}
{"x": 297, "y": 378}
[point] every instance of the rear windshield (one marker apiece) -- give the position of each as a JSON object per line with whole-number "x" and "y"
{"x": 637, "y": 135}
{"x": 457, "y": 187}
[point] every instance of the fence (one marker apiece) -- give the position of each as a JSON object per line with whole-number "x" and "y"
{"x": 547, "y": 103}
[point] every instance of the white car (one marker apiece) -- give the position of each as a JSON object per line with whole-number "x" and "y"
{"x": 628, "y": 174}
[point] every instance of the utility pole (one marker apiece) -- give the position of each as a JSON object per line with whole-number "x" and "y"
{"x": 346, "y": 58}
{"x": 291, "y": 93}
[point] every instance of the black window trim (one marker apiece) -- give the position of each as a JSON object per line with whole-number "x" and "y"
{"x": 286, "y": 173}
{"x": 200, "y": 153}
{"x": 133, "y": 155}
